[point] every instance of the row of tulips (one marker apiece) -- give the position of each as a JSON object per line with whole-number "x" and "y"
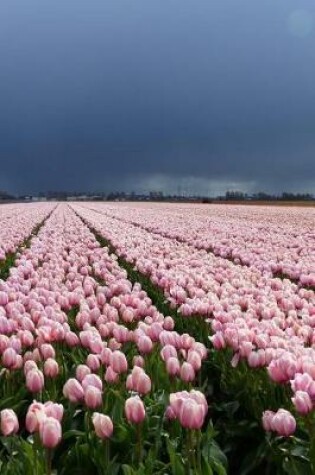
{"x": 17, "y": 222}
{"x": 87, "y": 358}
{"x": 277, "y": 241}
{"x": 265, "y": 321}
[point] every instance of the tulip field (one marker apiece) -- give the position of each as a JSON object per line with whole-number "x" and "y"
{"x": 156, "y": 339}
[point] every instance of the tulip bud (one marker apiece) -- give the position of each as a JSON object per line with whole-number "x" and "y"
{"x": 92, "y": 397}
{"x": 191, "y": 414}
{"x": 134, "y": 410}
{"x": 187, "y": 372}
{"x": 103, "y": 425}
{"x": 302, "y": 402}
{"x": 172, "y": 366}
{"x": 54, "y": 410}
{"x": 35, "y": 414}
{"x": 51, "y": 368}
{"x": 50, "y": 432}
{"x": 110, "y": 376}
{"x": 35, "y": 380}
{"x": 92, "y": 380}
{"x": 9, "y": 358}
{"x": 81, "y": 371}
{"x": 145, "y": 344}
{"x": 119, "y": 362}
{"x": 283, "y": 423}
{"x": 8, "y": 422}
{"x": 93, "y": 362}
{"x": 73, "y": 390}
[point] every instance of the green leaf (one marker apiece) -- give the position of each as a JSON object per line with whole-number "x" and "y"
{"x": 294, "y": 467}
{"x": 175, "y": 459}
{"x": 219, "y": 468}
{"x": 212, "y": 452}
{"x": 128, "y": 470}
{"x": 312, "y": 453}
{"x": 206, "y": 467}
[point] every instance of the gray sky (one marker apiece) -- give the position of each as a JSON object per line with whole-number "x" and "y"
{"x": 200, "y": 95}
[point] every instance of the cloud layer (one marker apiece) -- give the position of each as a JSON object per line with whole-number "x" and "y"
{"x": 138, "y": 94}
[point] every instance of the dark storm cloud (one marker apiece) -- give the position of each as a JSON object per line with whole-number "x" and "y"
{"x": 140, "y": 93}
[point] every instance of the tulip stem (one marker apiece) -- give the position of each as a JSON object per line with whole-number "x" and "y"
{"x": 35, "y": 452}
{"x": 310, "y": 428}
{"x": 139, "y": 443}
{"x": 48, "y": 461}
{"x": 107, "y": 452}
{"x": 198, "y": 433}
{"x": 87, "y": 424}
{"x": 190, "y": 451}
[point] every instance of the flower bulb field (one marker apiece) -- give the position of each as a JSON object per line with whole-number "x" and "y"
{"x": 157, "y": 339}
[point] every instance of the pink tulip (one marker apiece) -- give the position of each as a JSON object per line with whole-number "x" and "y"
{"x": 35, "y": 414}
{"x": 139, "y": 381}
{"x": 187, "y": 341}
{"x": 190, "y": 408}
{"x": 73, "y": 390}
{"x": 8, "y": 422}
{"x": 52, "y": 409}
{"x": 301, "y": 382}
{"x": 134, "y": 410}
{"x": 267, "y": 418}
{"x": 168, "y": 351}
{"x": 51, "y": 368}
{"x": 200, "y": 398}
{"x": 172, "y": 366}
{"x": 29, "y": 365}
{"x": 253, "y": 359}
{"x": 191, "y": 414}
{"x": 92, "y": 397}
{"x": 114, "y": 345}
{"x": 302, "y": 402}
{"x": 92, "y": 380}
{"x": 93, "y": 362}
{"x": 103, "y": 425}
{"x": 201, "y": 349}
{"x": 194, "y": 359}
{"x": 110, "y": 376}
{"x": 35, "y": 380}
{"x": 119, "y": 362}
{"x": 71, "y": 339}
{"x": 168, "y": 323}
{"x": 170, "y": 414}
{"x": 18, "y": 362}
{"x": 3, "y": 298}
{"x": 187, "y": 372}
{"x": 138, "y": 361}
{"x": 4, "y": 343}
{"x": 283, "y": 423}
{"x": 9, "y": 358}
{"x": 47, "y": 351}
{"x": 145, "y": 344}
{"x": 105, "y": 356}
{"x": 50, "y": 432}
{"x": 81, "y": 372}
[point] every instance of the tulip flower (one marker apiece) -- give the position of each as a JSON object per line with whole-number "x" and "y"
{"x": 50, "y": 432}
{"x": 103, "y": 425}
{"x": 134, "y": 410}
{"x": 9, "y": 423}
{"x": 34, "y": 380}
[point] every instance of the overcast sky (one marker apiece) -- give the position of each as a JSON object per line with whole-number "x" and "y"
{"x": 189, "y": 95}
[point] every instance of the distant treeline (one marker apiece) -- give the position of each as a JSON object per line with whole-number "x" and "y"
{"x": 4, "y": 196}
{"x": 261, "y": 196}
{"x": 230, "y": 195}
